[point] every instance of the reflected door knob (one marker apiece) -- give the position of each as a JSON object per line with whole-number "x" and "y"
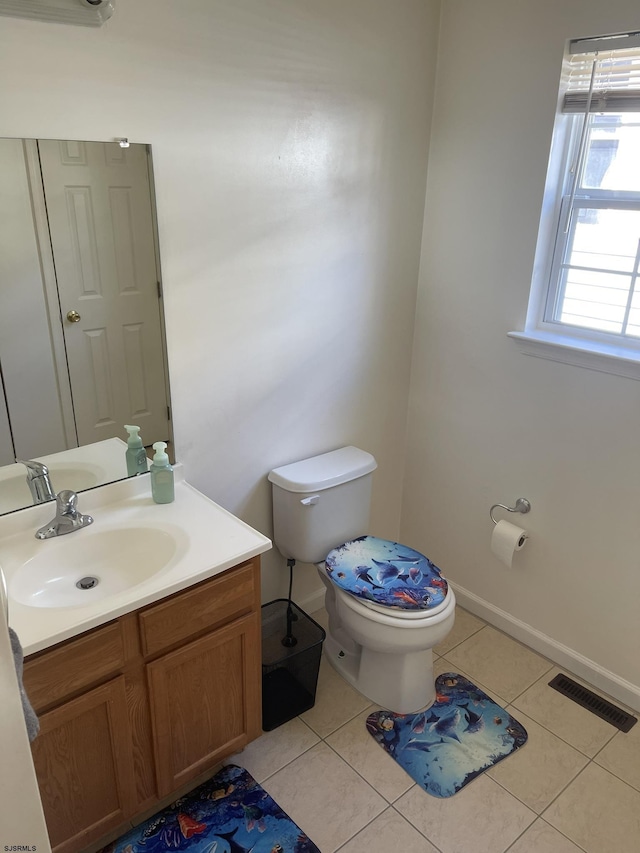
{"x": 73, "y": 316}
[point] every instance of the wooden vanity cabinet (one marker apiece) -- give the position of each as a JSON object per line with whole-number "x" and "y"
{"x": 133, "y": 710}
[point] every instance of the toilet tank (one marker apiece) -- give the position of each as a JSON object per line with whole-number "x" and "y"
{"x": 321, "y": 502}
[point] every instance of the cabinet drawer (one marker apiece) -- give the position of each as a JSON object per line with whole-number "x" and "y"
{"x": 203, "y": 607}
{"x": 52, "y": 675}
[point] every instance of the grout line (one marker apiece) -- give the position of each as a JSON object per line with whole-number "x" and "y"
{"x": 538, "y": 818}
{"x": 535, "y": 681}
{"x": 601, "y": 693}
{"x": 341, "y": 725}
{"x": 304, "y": 752}
{"x": 551, "y": 802}
{"x": 560, "y": 737}
{"x": 362, "y": 829}
{"x": 600, "y": 767}
{"x": 375, "y": 791}
{"x": 432, "y": 843}
{"x": 563, "y": 834}
{"x": 605, "y": 745}
{"x": 524, "y": 831}
{"x": 468, "y": 637}
{"x": 349, "y": 840}
{"x": 402, "y": 817}
{"x": 563, "y": 740}
{"x": 560, "y": 793}
{"x": 357, "y": 772}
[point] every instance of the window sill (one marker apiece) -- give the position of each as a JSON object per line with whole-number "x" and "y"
{"x": 580, "y": 353}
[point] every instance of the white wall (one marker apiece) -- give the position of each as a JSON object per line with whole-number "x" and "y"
{"x": 488, "y": 424}
{"x": 290, "y": 149}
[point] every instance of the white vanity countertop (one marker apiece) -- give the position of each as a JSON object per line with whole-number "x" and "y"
{"x": 209, "y": 540}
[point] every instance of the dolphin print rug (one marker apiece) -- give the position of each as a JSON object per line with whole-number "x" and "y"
{"x": 459, "y": 737}
{"x": 230, "y": 813}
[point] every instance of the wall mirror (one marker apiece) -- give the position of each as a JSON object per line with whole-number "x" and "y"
{"x": 82, "y": 343}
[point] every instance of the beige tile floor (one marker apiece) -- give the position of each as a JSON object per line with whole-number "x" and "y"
{"x": 575, "y": 786}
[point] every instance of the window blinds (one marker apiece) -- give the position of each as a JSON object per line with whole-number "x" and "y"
{"x": 614, "y": 63}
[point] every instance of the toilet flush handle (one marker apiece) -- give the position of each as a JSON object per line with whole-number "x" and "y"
{"x": 310, "y": 501}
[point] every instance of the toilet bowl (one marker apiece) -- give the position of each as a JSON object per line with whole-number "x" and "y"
{"x": 385, "y": 651}
{"x": 388, "y": 604}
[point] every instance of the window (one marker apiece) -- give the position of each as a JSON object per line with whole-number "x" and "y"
{"x": 586, "y": 290}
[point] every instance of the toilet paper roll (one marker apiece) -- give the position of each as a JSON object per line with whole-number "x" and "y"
{"x": 506, "y": 540}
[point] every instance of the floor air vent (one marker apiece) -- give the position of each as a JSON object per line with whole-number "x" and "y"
{"x": 592, "y": 702}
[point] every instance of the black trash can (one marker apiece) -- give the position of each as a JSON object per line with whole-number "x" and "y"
{"x": 289, "y": 672}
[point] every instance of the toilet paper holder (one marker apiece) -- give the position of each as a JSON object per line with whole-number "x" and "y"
{"x": 522, "y": 505}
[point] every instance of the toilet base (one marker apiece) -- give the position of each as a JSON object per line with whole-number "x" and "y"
{"x": 346, "y": 663}
{"x": 402, "y": 684}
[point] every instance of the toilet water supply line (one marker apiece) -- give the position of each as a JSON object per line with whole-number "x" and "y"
{"x": 289, "y": 640}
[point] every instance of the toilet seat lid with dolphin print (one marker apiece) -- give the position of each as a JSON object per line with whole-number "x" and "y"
{"x": 386, "y": 573}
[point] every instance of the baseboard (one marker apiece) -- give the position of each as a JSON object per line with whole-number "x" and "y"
{"x": 586, "y": 669}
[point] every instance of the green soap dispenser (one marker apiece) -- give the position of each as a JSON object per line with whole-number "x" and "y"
{"x": 135, "y": 455}
{"x": 162, "y": 490}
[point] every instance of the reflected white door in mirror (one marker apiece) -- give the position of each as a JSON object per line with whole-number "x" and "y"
{"x": 82, "y": 348}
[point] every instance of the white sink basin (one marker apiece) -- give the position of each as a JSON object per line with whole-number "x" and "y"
{"x": 106, "y": 562}
{"x": 139, "y": 551}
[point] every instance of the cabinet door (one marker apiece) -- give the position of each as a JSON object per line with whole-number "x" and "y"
{"x": 83, "y": 763}
{"x": 205, "y": 700}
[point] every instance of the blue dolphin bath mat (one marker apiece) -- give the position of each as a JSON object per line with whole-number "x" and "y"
{"x": 459, "y": 737}
{"x": 230, "y": 813}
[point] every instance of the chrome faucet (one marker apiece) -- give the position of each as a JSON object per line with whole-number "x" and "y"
{"x": 67, "y": 517}
{"x": 38, "y": 481}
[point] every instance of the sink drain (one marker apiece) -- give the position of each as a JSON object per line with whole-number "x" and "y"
{"x": 87, "y": 583}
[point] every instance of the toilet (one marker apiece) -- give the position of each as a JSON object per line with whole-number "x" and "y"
{"x": 388, "y": 604}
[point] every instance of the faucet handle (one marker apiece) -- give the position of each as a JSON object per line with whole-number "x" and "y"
{"x": 67, "y": 507}
{"x": 66, "y": 502}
